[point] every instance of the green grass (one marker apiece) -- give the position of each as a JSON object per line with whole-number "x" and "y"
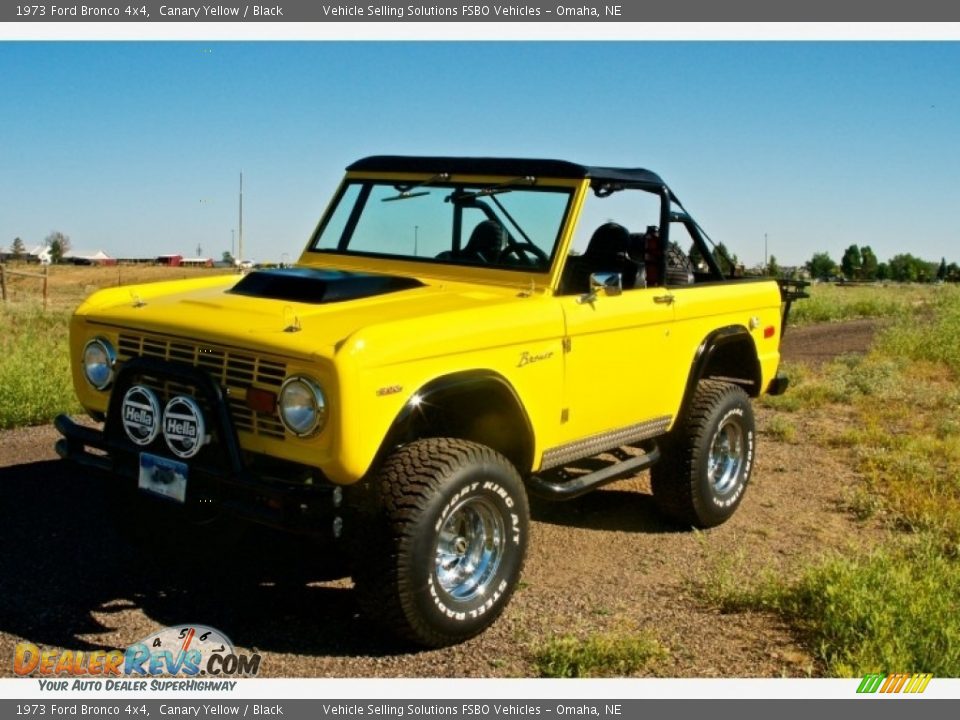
{"x": 915, "y": 471}
{"x": 933, "y": 337}
{"x": 782, "y": 429}
{"x": 845, "y": 379}
{"x": 909, "y": 309}
{"x": 907, "y": 440}
{"x": 35, "y": 381}
{"x": 615, "y": 654}
{"x": 897, "y": 607}
{"x": 829, "y": 303}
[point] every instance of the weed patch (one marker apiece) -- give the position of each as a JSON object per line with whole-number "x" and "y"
{"x": 829, "y": 303}
{"x": 35, "y": 382}
{"x": 934, "y": 337}
{"x": 782, "y": 429}
{"x": 895, "y": 609}
{"x": 841, "y": 381}
{"x": 603, "y": 655}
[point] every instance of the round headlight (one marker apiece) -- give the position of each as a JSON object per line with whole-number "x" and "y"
{"x": 99, "y": 360}
{"x": 303, "y": 408}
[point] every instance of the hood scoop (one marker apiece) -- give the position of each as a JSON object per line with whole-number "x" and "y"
{"x": 309, "y": 285}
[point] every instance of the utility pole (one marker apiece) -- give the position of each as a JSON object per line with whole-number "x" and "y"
{"x": 416, "y": 234}
{"x": 240, "y": 254}
{"x": 766, "y": 258}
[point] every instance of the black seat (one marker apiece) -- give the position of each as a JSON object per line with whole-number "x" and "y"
{"x": 606, "y": 252}
{"x": 487, "y": 242}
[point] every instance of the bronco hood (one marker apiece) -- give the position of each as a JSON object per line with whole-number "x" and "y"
{"x": 300, "y": 311}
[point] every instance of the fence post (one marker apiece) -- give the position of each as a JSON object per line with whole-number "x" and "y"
{"x": 3, "y": 282}
{"x": 46, "y": 274}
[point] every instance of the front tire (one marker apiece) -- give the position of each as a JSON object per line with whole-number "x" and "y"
{"x": 447, "y": 547}
{"x": 708, "y": 458}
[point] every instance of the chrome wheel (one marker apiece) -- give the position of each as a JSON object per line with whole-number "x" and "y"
{"x": 727, "y": 455}
{"x": 444, "y": 557}
{"x": 469, "y": 549}
{"x": 707, "y": 458}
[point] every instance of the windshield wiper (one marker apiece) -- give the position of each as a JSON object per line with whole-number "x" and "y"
{"x": 406, "y": 191}
{"x": 493, "y": 189}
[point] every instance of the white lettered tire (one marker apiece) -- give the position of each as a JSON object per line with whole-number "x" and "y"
{"x": 449, "y": 543}
{"x": 707, "y": 458}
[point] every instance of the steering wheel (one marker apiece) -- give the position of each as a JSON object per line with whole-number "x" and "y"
{"x": 526, "y": 253}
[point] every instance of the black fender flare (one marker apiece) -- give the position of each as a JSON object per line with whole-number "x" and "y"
{"x": 491, "y": 393}
{"x": 708, "y": 350}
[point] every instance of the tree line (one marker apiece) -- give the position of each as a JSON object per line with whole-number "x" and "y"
{"x": 861, "y": 264}
{"x": 858, "y": 264}
{"x": 58, "y": 243}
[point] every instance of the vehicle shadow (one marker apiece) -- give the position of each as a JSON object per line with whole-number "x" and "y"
{"x": 65, "y": 570}
{"x": 606, "y": 509}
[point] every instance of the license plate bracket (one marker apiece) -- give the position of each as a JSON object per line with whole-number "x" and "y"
{"x": 164, "y": 477}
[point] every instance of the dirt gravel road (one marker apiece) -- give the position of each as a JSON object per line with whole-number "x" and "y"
{"x": 604, "y": 562}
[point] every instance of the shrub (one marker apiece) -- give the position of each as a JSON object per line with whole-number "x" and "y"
{"x": 602, "y": 655}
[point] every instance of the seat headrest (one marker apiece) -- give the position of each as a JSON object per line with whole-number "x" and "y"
{"x": 488, "y": 239}
{"x": 609, "y": 240}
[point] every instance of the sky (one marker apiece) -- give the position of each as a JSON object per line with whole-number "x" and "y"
{"x": 136, "y": 148}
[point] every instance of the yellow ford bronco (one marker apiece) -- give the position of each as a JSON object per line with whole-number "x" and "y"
{"x": 458, "y": 333}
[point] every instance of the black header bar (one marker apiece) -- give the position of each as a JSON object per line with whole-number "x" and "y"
{"x": 402, "y": 11}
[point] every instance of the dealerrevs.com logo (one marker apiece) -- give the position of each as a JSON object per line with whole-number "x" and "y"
{"x": 183, "y": 651}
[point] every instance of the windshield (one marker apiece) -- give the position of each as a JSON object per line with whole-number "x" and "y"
{"x": 512, "y": 225}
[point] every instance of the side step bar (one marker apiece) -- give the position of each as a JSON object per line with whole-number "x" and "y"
{"x": 574, "y": 488}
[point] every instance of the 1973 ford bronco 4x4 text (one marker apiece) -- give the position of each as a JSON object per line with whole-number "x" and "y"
{"x": 458, "y": 333}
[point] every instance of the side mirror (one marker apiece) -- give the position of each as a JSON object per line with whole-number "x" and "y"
{"x": 608, "y": 283}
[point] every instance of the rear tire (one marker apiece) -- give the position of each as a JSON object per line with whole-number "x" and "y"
{"x": 708, "y": 458}
{"x": 445, "y": 553}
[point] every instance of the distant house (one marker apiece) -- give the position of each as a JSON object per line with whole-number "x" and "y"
{"x": 171, "y": 260}
{"x": 39, "y": 254}
{"x": 89, "y": 257}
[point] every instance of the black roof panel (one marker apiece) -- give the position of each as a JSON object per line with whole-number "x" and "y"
{"x": 504, "y": 166}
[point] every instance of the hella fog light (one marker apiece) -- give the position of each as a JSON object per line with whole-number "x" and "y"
{"x": 303, "y": 408}
{"x": 99, "y": 360}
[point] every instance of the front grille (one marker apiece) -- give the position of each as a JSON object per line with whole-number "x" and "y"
{"x": 236, "y": 371}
